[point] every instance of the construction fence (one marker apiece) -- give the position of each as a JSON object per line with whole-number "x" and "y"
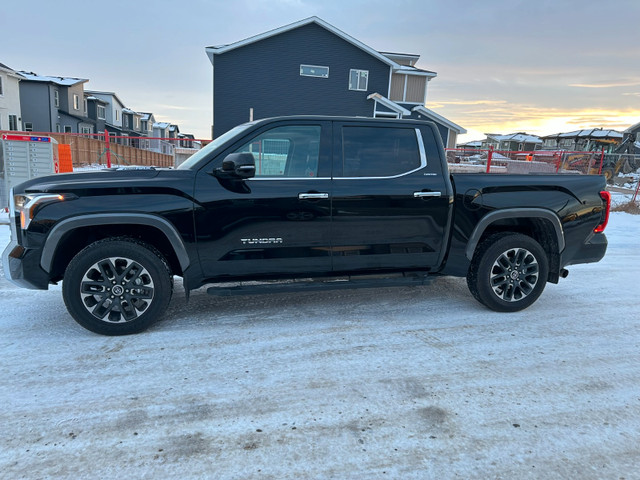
{"x": 107, "y": 149}
{"x": 542, "y": 161}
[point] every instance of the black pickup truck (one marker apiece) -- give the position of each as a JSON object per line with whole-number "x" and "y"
{"x": 299, "y": 203}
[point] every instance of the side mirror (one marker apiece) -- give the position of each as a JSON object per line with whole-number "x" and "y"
{"x": 237, "y": 165}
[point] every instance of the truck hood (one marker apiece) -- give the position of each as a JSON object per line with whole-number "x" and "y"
{"x": 107, "y": 178}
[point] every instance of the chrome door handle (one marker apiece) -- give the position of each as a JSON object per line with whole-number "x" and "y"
{"x": 312, "y": 196}
{"x": 426, "y": 194}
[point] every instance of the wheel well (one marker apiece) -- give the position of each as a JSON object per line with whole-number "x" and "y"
{"x": 540, "y": 229}
{"x": 74, "y": 241}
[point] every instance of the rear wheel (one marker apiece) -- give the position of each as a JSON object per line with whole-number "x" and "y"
{"x": 117, "y": 286}
{"x": 508, "y": 272}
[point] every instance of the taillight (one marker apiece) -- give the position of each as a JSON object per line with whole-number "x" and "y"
{"x": 606, "y": 196}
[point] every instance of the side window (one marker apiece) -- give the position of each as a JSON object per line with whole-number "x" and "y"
{"x": 379, "y": 151}
{"x": 287, "y": 151}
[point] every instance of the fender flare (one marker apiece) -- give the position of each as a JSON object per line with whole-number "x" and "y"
{"x": 69, "y": 224}
{"x": 514, "y": 213}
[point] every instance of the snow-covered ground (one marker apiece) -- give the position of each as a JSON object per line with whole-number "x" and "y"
{"x": 387, "y": 383}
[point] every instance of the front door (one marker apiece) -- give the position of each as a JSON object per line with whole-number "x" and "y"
{"x": 278, "y": 222}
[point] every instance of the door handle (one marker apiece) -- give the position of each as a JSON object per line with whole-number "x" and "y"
{"x": 426, "y": 194}
{"x": 312, "y": 196}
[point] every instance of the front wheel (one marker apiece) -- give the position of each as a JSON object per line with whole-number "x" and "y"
{"x": 117, "y": 286}
{"x": 508, "y": 272}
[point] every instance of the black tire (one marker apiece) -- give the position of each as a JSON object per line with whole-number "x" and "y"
{"x": 117, "y": 286}
{"x": 508, "y": 272}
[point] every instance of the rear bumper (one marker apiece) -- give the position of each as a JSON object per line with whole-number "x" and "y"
{"x": 22, "y": 267}
{"x": 593, "y": 250}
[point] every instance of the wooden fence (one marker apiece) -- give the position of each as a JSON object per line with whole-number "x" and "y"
{"x": 88, "y": 151}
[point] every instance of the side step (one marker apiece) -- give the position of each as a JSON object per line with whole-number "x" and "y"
{"x": 325, "y": 283}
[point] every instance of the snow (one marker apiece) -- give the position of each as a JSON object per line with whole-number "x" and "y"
{"x": 419, "y": 382}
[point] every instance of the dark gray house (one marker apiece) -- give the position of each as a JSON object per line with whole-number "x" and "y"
{"x": 54, "y": 104}
{"x": 310, "y": 67}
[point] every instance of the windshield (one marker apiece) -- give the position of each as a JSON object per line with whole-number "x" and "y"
{"x": 193, "y": 160}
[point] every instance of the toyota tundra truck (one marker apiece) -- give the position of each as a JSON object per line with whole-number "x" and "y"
{"x": 297, "y": 204}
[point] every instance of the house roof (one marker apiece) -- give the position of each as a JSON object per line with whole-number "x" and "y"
{"x": 95, "y": 99}
{"x": 10, "y": 71}
{"x": 390, "y": 104}
{"x": 62, "y": 81}
{"x": 220, "y": 49}
{"x": 439, "y": 118}
{"x": 589, "y": 132}
{"x": 106, "y": 94}
{"x": 515, "y": 137}
{"x": 632, "y": 128}
{"x": 162, "y": 125}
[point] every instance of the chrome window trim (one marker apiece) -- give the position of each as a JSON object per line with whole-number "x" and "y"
{"x": 252, "y": 179}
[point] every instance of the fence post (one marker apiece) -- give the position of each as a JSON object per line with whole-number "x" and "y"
{"x": 489, "y": 157}
{"x": 107, "y": 148}
{"x": 601, "y": 162}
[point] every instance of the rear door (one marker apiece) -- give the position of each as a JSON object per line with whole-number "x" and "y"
{"x": 391, "y": 201}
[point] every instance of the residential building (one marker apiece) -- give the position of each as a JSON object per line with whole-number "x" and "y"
{"x": 54, "y": 104}
{"x": 113, "y": 113}
{"x": 96, "y": 111}
{"x": 311, "y": 67}
{"x": 10, "y": 113}
{"x": 584, "y": 140}
{"x": 514, "y": 142}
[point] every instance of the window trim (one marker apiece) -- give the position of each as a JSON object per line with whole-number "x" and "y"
{"x": 28, "y": 129}
{"x": 104, "y": 112}
{"x": 1, "y": 86}
{"x": 15, "y": 122}
{"x": 56, "y": 98}
{"x": 76, "y": 102}
{"x": 313, "y": 66}
{"x": 423, "y": 163}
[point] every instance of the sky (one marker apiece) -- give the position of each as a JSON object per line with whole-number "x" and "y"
{"x": 504, "y": 66}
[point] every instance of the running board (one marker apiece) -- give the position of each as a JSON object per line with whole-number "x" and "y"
{"x": 411, "y": 279}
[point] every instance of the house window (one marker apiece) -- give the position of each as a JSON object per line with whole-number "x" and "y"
{"x": 67, "y": 129}
{"x": 85, "y": 106}
{"x": 28, "y": 127}
{"x": 102, "y": 112}
{"x": 13, "y": 122}
{"x": 358, "y": 79}
{"x": 1, "y": 86}
{"x": 314, "y": 71}
{"x": 117, "y": 115}
{"x": 58, "y": 128}
{"x": 76, "y": 102}
{"x": 137, "y": 123}
{"x": 126, "y": 122}
{"x": 86, "y": 130}
{"x": 56, "y": 98}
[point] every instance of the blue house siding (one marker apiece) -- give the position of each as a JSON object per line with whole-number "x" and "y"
{"x": 265, "y": 76}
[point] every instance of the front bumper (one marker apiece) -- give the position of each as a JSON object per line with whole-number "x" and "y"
{"x": 22, "y": 267}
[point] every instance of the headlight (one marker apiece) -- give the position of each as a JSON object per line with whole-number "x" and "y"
{"x": 25, "y": 204}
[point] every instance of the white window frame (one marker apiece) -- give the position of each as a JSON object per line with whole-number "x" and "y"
{"x": 304, "y": 66}
{"x": 58, "y": 128}
{"x": 1, "y": 86}
{"x": 56, "y": 98}
{"x": 86, "y": 108}
{"x": 13, "y": 123}
{"x": 117, "y": 115}
{"x": 28, "y": 127}
{"x": 358, "y": 87}
{"x": 104, "y": 112}
{"x": 76, "y": 102}
{"x": 67, "y": 129}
